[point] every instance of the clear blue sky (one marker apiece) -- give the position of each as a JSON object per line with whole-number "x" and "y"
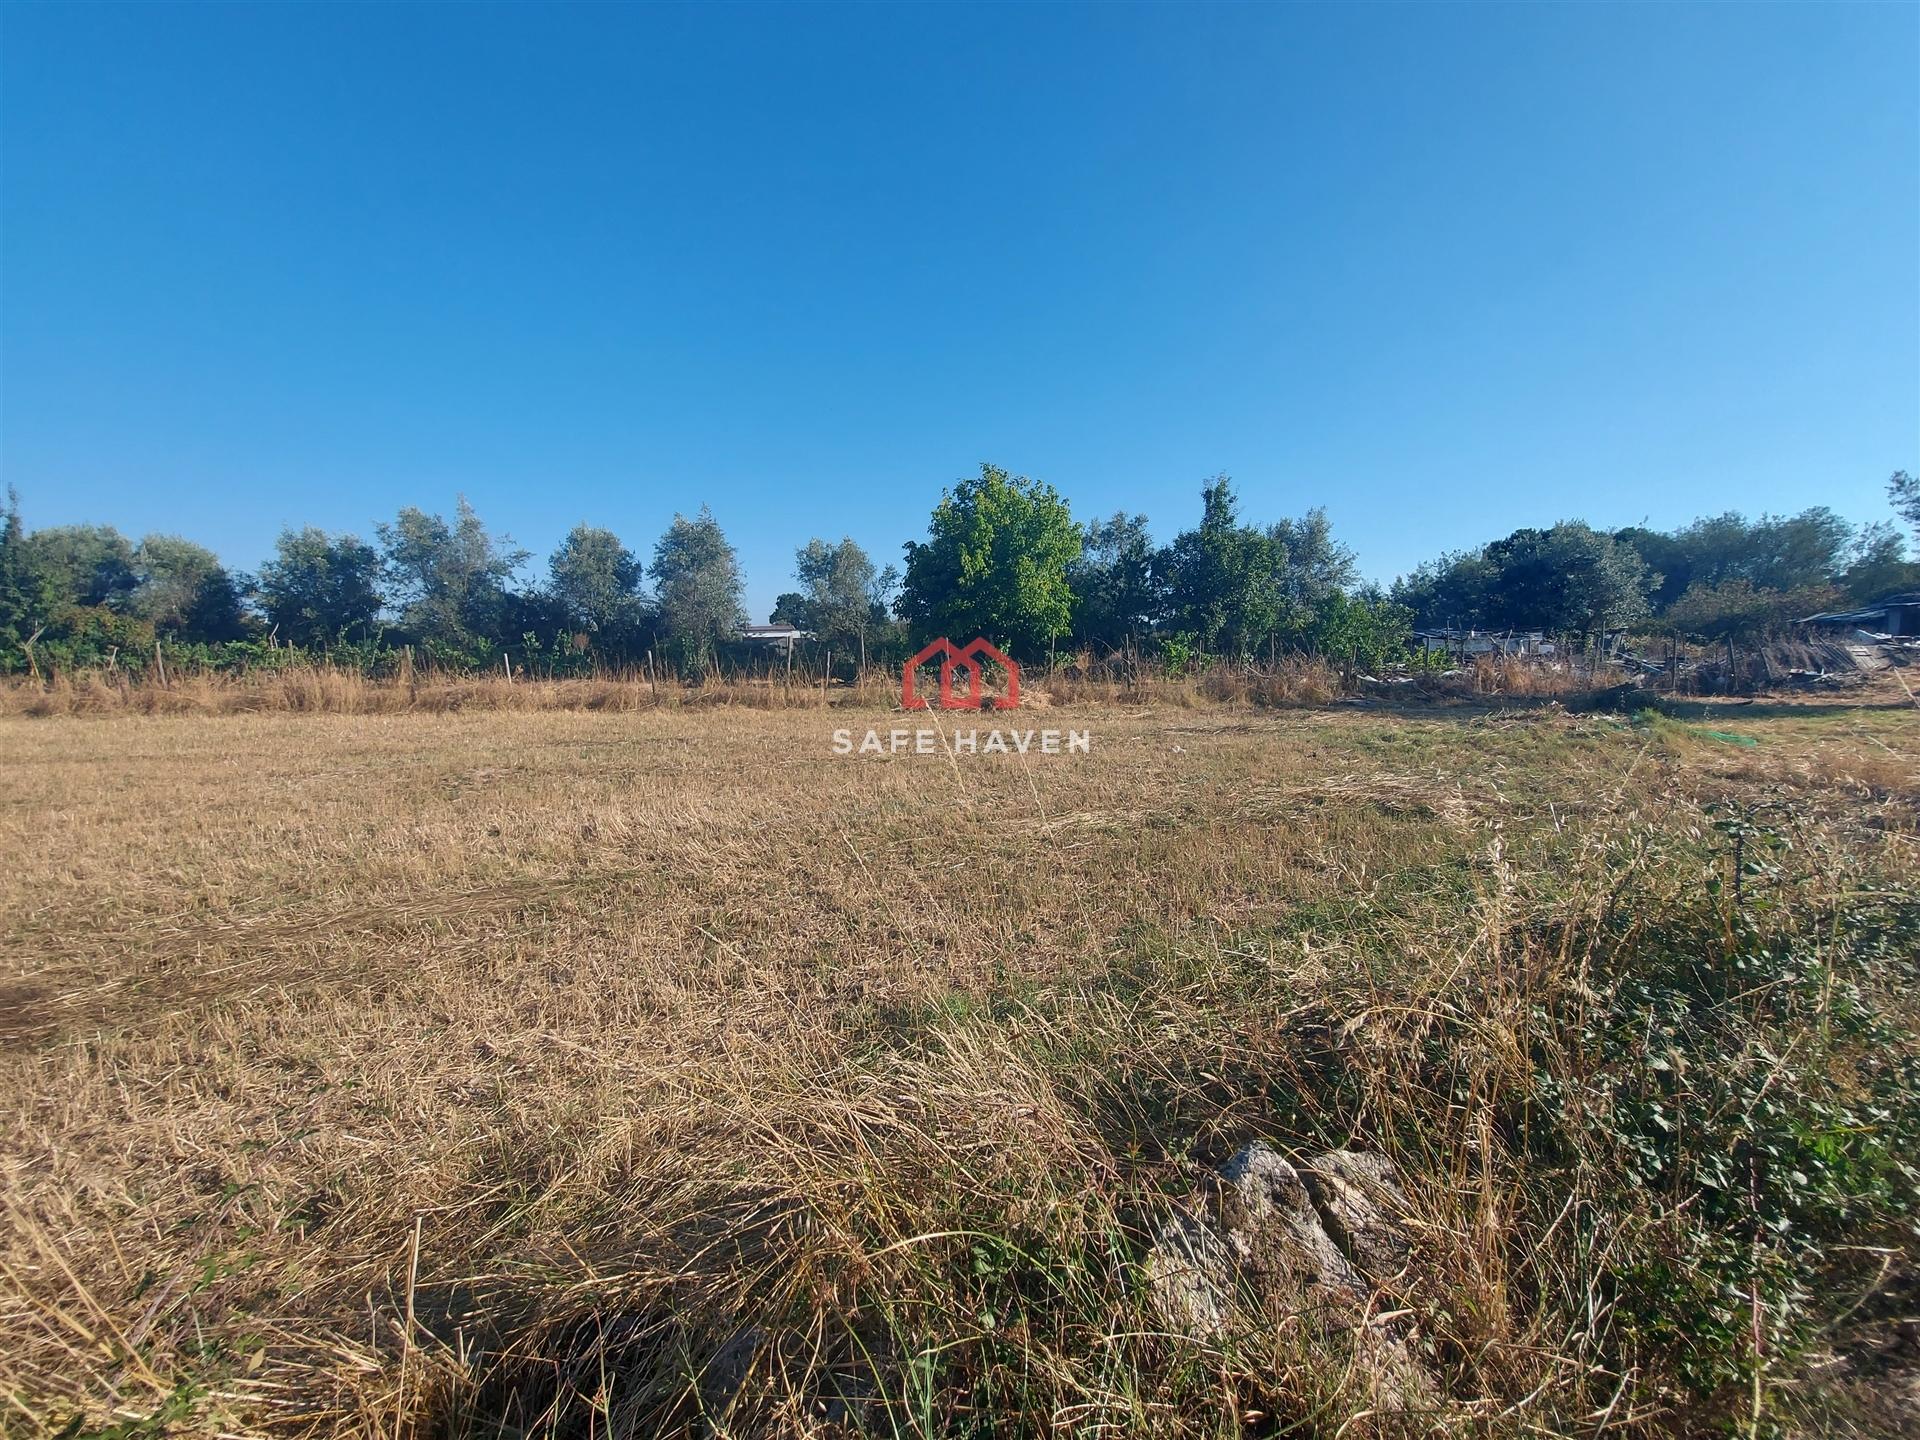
{"x": 1444, "y": 270}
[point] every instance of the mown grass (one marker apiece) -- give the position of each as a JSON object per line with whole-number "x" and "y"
{"x": 589, "y": 1073}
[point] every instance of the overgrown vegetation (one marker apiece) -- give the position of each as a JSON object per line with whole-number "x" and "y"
{"x": 1004, "y": 558}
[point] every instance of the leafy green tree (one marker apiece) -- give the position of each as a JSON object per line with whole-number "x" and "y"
{"x": 1367, "y": 629}
{"x": 1116, "y": 593}
{"x": 1448, "y": 593}
{"x": 1317, "y": 565}
{"x": 85, "y": 564}
{"x": 53, "y": 585}
{"x": 24, "y": 594}
{"x": 1225, "y": 582}
{"x": 839, "y": 598}
{"x": 1794, "y": 552}
{"x": 697, "y": 578}
{"x": 451, "y": 582}
{"x": 184, "y": 591}
{"x": 1667, "y": 558}
{"x": 596, "y": 581}
{"x": 1712, "y": 550}
{"x": 319, "y": 589}
{"x": 1879, "y": 565}
{"x": 790, "y": 607}
{"x": 1904, "y": 492}
{"x": 1570, "y": 579}
{"x": 995, "y": 564}
{"x": 1775, "y": 552}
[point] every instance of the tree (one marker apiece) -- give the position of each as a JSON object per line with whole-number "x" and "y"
{"x": 994, "y": 564}
{"x": 1448, "y": 593}
{"x": 85, "y": 564}
{"x": 697, "y": 578}
{"x": 1793, "y": 552}
{"x": 1367, "y": 629}
{"x": 596, "y": 581}
{"x": 450, "y": 583}
{"x": 1570, "y": 579}
{"x": 1116, "y": 595}
{"x": 1878, "y": 565}
{"x": 1668, "y": 560}
{"x": 839, "y": 598}
{"x": 1775, "y": 552}
{"x": 790, "y": 607}
{"x": 1904, "y": 493}
{"x": 319, "y": 589}
{"x": 24, "y": 594}
{"x": 184, "y": 591}
{"x": 1317, "y": 565}
{"x": 1225, "y": 582}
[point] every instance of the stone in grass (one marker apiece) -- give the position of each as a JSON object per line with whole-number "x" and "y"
{"x": 1277, "y": 1235}
{"x": 1359, "y": 1198}
{"x": 1274, "y": 1249}
{"x": 1190, "y": 1278}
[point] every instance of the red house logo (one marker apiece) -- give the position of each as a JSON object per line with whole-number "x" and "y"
{"x": 952, "y": 659}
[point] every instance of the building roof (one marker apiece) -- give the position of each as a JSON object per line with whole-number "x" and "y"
{"x": 1876, "y": 611}
{"x": 774, "y": 632}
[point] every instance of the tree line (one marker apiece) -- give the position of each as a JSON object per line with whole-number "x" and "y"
{"x": 1004, "y": 557}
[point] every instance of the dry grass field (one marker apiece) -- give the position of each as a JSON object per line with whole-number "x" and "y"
{"x": 613, "y": 1074}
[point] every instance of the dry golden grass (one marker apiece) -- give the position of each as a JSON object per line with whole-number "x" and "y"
{"x": 328, "y": 689}
{"x": 499, "y": 1070}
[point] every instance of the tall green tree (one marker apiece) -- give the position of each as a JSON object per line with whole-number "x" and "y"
{"x": 451, "y": 583}
{"x": 1775, "y": 552}
{"x": 25, "y": 595}
{"x": 1317, "y": 565}
{"x": 1668, "y": 559}
{"x": 1570, "y": 579}
{"x": 1225, "y": 581}
{"x": 1904, "y": 493}
{"x": 319, "y": 588}
{"x": 1366, "y": 629}
{"x": 185, "y": 592}
{"x": 1878, "y": 566}
{"x": 1447, "y": 593}
{"x": 1116, "y": 593}
{"x": 790, "y": 607}
{"x": 841, "y": 596}
{"x": 994, "y": 564}
{"x": 1739, "y": 612}
{"x": 597, "y": 583}
{"x": 696, "y": 577}
{"x": 85, "y": 564}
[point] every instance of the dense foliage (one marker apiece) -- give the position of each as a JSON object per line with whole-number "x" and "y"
{"x": 995, "y": 563}
{"x": 1003, "y": 558}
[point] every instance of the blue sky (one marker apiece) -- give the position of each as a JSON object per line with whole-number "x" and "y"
{"x": 1445, "y": 270}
